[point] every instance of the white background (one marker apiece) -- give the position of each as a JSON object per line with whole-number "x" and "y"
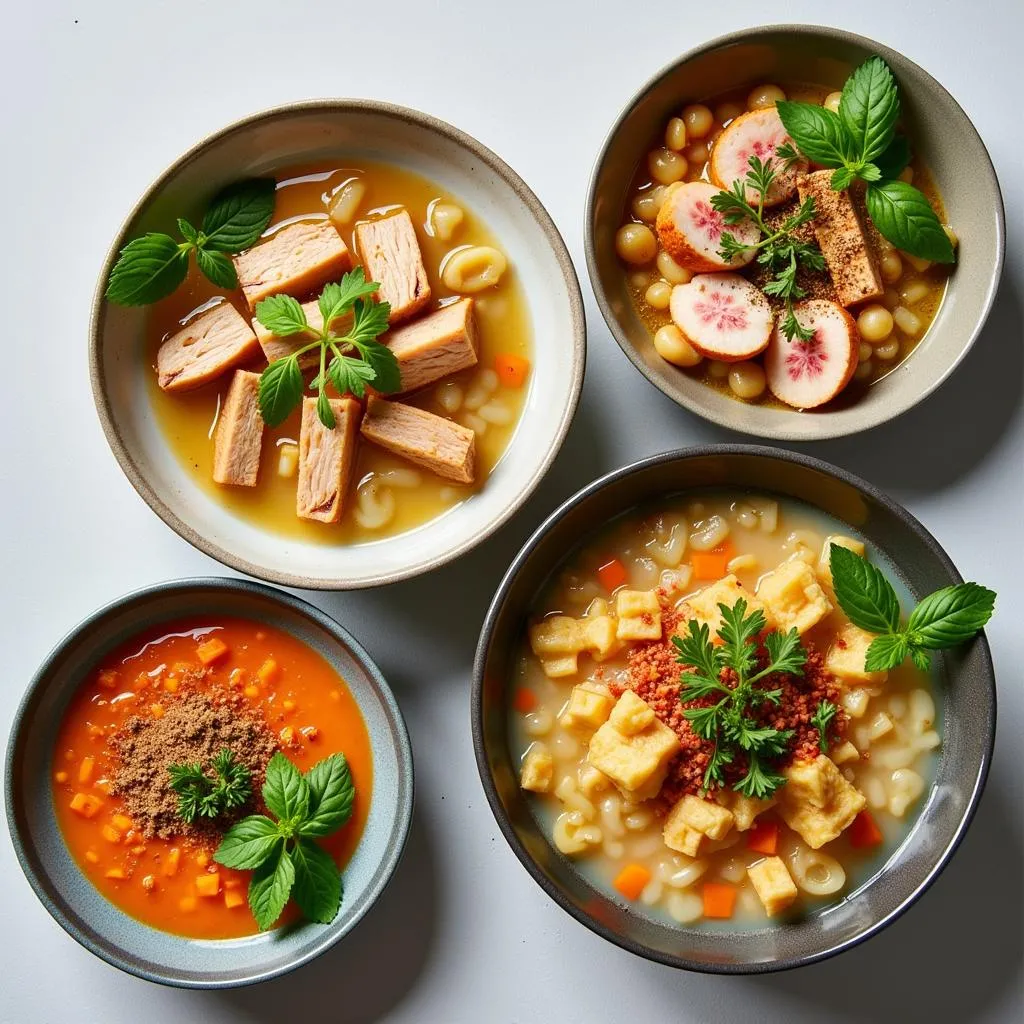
{"x": 97, "y": 98}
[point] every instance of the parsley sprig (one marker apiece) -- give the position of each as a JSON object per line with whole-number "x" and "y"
{"x": 821, "y": 720}
{"x": 727, "y": 721}
{"x": 201, "y": 795}
{"x": 779, "y": 249}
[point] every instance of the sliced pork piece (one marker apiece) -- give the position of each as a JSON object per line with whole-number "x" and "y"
{"x": 757, "y": 133}
{"x": 213, "y": 343}
{"x": 295, "y": 260}
{"x": 445, "y": 448}
{"x": 723, "y": 316}
{"x": 435, "y": 345}
{"x": 239, "y": 439}
{"x": 843, "y": 240}
{"x": 390, "y": 253}
{"x": 690, "y": 229}
{"x": 326, "y": 460}
{"x": 806, "y": 374}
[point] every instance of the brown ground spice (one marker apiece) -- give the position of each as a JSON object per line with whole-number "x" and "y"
{"x": 195, "y": 727}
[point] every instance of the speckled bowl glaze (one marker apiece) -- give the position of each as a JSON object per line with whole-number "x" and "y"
{"x": 309, "y": 132}
{"x": 965, "y": 685}
{"x": 941, "y": 133}
{"x": 71, "y": 898}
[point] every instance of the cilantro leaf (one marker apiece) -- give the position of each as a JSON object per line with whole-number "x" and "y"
{"x": 785, "y": 653}
{"x": 759, "y": 782}
{"x": 822, "y": 718}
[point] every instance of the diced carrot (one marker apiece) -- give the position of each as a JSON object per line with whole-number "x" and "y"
{"x": 268, "y": 672}
{"x": 512, "y": 370}
{"x": 108, "y": 679}
{"x": 211, "y": 650}
{"x": 202, "y": 859}
{"x": 208, "y": 885}
{"x": 764, "y": 837}
{"x": 110, "y": 834}
{"x": 719, "y": 899}
{"x": 156, "y": 710}
{"x": 631, "y": 880}
{"x": 233, "y": 898}
{"x": 85, "y": 768}
{"x": 86, "y": 804}
{"x": 61, "y": 777}
{"x": 864, "y": 831}
{"x": 288, "y": 705}
{"x": 524, "y": 701}
{"x": 116, "y": 873}
{"x": 287, "y": 734}
{"x": 713, "y": 564}
{"x": 122, "y": 821}
{"x": 612, "y": 575}
{"x": 171, "y": 684}
{"x": 172, "y": 861}
{"x": 251, "y": 691}
{"x": 92, "y": 856}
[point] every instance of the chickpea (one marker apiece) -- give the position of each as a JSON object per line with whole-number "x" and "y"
{"x": 875, "y": 324}
{"x": 864, "y": 370}
{"x": 671, "y": 271}
{"x": 916, "y": 262}
{"x": 698, "y": 120}
{"x": 864, "y": 352}
{"x": 670, "y": 343}
{"x": 675, "y": 134}
{"x": 658, "y": 295}
{"x": 726, "y": 112}
{"x": 635, "y": 243}
{"x": 892, "y": 268}
{"x": 718, "y": 369}
{"x": 666, "y": 166}
{"x": 696, "y": 154}
{"x": 914, "y": 292}
{"x": 764, "y": 96}
{"x": 746, "y": 380}
{"x": 888, "y": 350}
{"x": 832, "y": 102}
{"x": 909, "y": 323}
{"x": 646, "y": 206}
{"x": 639, "y": 280}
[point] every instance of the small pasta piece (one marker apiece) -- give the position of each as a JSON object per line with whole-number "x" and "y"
{"x": 668, "y": 544}
{"x": 497, "y": 413}
{"x": 684, "y": 907}
{"x": 445, "y": 220}
{"x": 905, "y": 786}
{"x": 768, "y": 512}
{"x": 874, "y": 790}
{"x": 879, "y": 726}
{"x": 611, "y": 816}
{"x": 817, "y": 873}
{"x": 475, "y": 423}
{"x": 914, "y": 292}
{"x": 590, "y": 780}
{"x": 538, "y": 723}
{"x": 647, "y": 845}
{"x": 613, "y": 849}
{"x": 669, "y": 864}
{"x": 565, "y": 746}
{"x": 733, "y": 870}
{"x": 571, "y": 838}
{"x": 651, "y": 893}
{"x": 745, "y": 515}
{"x": 743, "y": 563}
{"x": 375, "y": 504}
{"x": 449, "y": 396}
{"x": 287, "y": 460}
{"x": 400, "y": 476}
{"x": 475, "y": 396}
{"x": 639, "y": 819}
{"x": 709, "y": 533}
{"x": 688, "y": 874}
{"x": 927, "y": 740}
{"x": 473, "y": 268}
{"x": 909, "y": 323}
{"x": 855, "y": 702}
{"x": 573, "y": 800}
{"x": 894, "y": 755}
{"x": 920, "y": 711}
{"x": 898, "y": 705}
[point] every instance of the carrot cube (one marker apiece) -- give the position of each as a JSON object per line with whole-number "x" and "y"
{"x": 202, "y": 859}
{"x": 172, "y": 862}
{"x": 208, "y": 885}
{"x": 233, "y": 898}
{"x": 713, "y": 564}
{"x": 108, "y": 679}
{"x": 122, "y": 821}
{"x": 524, "y": 701}
{"x": 211, "y": 651}
{"x": 85, "y": 768}
{"x": 632, "y": 880}
{"x": 512, "y": 369}
{"x": 251, "y": 691}
{"x": 110, "y": 834}
{"x": 719, "y": 899}
{"x": 764, "y": 837}
{"x": 116, "y": 873}
{"x": 268, "y": 672}
{"x": 86, "y": 804}
{"x": 612, "y": 575}
{"x": 288, "y": 705}
{"x": 60, "y": 777}
{"x": 92, "y": 856}
{"x": 864, "y": 831}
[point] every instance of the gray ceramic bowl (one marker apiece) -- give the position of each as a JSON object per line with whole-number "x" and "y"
{"x": 348, "y": 130}
{"x": 71, "y": 898}
{"x": 941, "y": 132}
{"x": 966, "y": 691}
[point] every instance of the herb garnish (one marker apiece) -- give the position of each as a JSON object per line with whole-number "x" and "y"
{"x": 285, "y": 859}
{"x": 946, "y": 618}
{"x": 860, "y": 143}
{"x": 779, "y": 249}
{"x": 726, "y": 722}
{"x": 203, "y": 796}
{"x": 281, "y": 385}
{"x": 151, "y": 267}
{"x": 821, "y": 720}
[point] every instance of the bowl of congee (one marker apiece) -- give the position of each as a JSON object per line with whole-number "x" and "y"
{"x": 733, "y": 709}
{"x": 337, "y": 344}
{"x": 794, "y": 232}
{"x": 208, "y": 783}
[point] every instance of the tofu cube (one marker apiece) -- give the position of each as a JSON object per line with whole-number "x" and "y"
{"x": 537, "y": 769}
{"x": 692, "y": 820}
{"x": 637, "y": 764}
{"x": 817, "y": 802}
{"x": 599, "y": 636}
{"x": 727, "y": 591}
{"x": 793, "y": 597}
{"x": 840, "y": 541}
{"x": 639, "y": 615}
{"x": 773, "y": 884}
{"x": 560, "y": 668}
{"x": 846, "y": 657}
{"x": 631, "y": 714}
{"x": 559, "y": 640}
{"x": 744, "y": 808}
{"x": 586, "y": 710}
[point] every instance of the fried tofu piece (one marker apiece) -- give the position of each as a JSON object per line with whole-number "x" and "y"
{"x": 840, "y": 541}
{"x": 295, "y": 260}
{"x": 390, "y": 254}
{"x": 588, "y": 709}
{"x": 846, "y": 657}
{"x": 692, "y": 820}
{"x": 793, "y": 597}
{"x": 773, "y": 884}
{"x": 238, "y": 442}
{"x": 843, "y": 241}
{"x": 213, "y": 343}
{"x": 326, "y": 460}
{"x": 436, "y": 345}
{"x": 537, "y": 769}
{"x": 275, "y": 347}
{"x": 745, "y": 809}
{"x": 631, "y": 714}
{"x": 817, "y": 802}
{"x": 559, "y": 640}
{"x": 445, "y": 448}
{"x": 639, "y": 615}
{"x": 727, "y": 591}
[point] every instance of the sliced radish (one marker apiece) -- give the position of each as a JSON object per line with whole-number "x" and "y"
{"x": 690, "y": 229}
{"x": 806, "y": 374}
{"x": 723, "y": 316}
{"x": 757, "y": 133}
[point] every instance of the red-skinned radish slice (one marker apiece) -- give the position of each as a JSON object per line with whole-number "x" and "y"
{"x": 690, "y": 229}
{"x": 757, "y": 133}
{"x": 806, "y": 374}
{"x": 723, "y": 316}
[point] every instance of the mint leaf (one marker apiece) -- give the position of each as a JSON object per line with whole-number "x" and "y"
{"x": 869, "y": 108}
{"x": 285, "y": 791}
{"x": 317, "y": 888}
{"x": 895, "y": 157}
{"x": 863, "y": 592}
{"x": 950, "y": 616}
{"x": 387, "y": 378}
{"x": 148, "y": 269}
{"x": 818, "y": 132}
{"x": 842, "y": 178}
{"x": 869, "y": 172}
{"x": 239, "y": 214}
{"x": 338, "y": 298}
{"x": 189, "y": 233}
{"x": 248, "y": 843}
{"x": 921, "y": 658}
{"x": 269, "y": 888}
{"x": 324, "y": 411}
{"x": 331, "y": 796}
{"x": 350, "y": 376}
{"x": 281, "y": 314}
{"x": 905, "y": 217}
{"x": 218, "y": 268}
{"x": 886, "y": 652}
{"x": 280, "y": 390}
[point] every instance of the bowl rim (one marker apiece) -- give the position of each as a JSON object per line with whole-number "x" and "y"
{"x": 343, "y": 106}
{"x": 986, "y": 169}
{"x": 403, "y": 749}
{"x": 477, "y": 713}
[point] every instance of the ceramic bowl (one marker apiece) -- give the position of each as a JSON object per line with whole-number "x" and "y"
{"x": 306, "y": 133}
{"x": 965, "y": 691}
{"x": 73, "y": 900}
{"x": 942, "y": 134}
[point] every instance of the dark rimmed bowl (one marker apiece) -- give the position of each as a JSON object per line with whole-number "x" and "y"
{"x": 942, "y": 134}
{"x": 71, "y": 898}
{"x": 966, "y": 690}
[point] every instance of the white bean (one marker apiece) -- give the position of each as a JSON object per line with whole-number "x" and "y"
{"x": 473, "y": 268}
{"x": 449, "y": 396}
{"x": 684, "y": 907}
{"x": 709, "y": 533}
{"x": 496, "y": 413}
{"x": 375, "y": 504}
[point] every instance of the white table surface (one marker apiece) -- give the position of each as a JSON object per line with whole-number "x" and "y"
{"x": 98, "y": 97}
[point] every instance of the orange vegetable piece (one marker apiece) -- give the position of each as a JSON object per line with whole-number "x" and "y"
{"x": 211, "y": 650}
{"x": 110, "y": 834}
{"x": 268, "y": 671}
{"x": 86, "y": 804}
{"x": 525, "y": 700}
{"x": 233, "y": 898}
{"x": 116, "y": 873}
{"x": 122, "y": 821}
{"x": 512, "y": 370}
{"x": 719, "y": 899}
{"x": 631, "y": 880}
{"x": 864, "y": 831}
{"x": 209, "y": 884}
{"x": 713, "y": 564}
{"x": 764, "y": 837}
{"x": 172, "y": 861}
{"x": 85, "y": 768}
{"x": 156, "y": 710}
{"x": 612, "y": 575}
{"x": 108, "y": 679}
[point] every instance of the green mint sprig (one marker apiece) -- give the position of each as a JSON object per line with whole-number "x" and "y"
{"x": 821, "y": 720}
{"x": 282, "y": 854}
{"x": 944, "y": 619}
{"x": 151, "y": 267}
{"x": 281, "y": 386}
{"x": 727, "y": 723}
{"x": 203, "y": 796}
{"x": 860, "y": 142}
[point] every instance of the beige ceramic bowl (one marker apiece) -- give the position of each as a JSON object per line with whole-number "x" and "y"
{"x": 349, "y": 129}
{"x": 941, "y": 133}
